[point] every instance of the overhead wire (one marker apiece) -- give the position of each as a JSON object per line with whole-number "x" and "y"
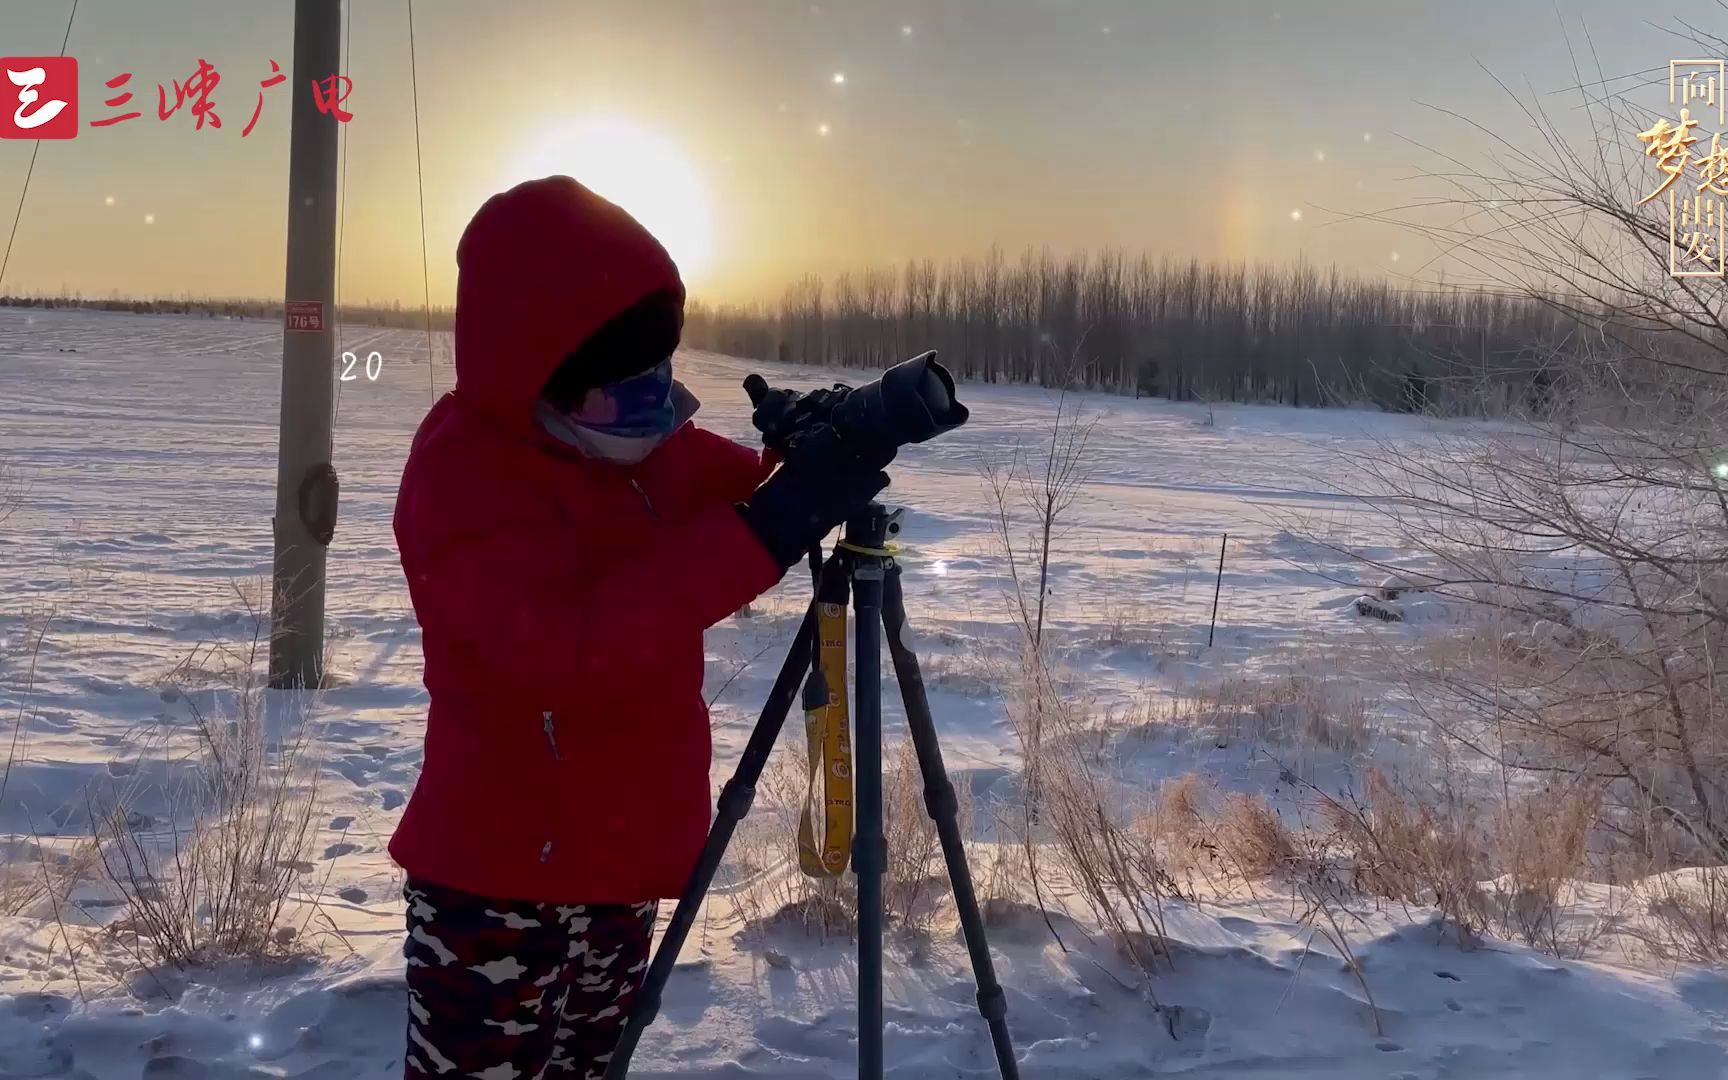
{"x": 24, "y": 193}
{"x": 341, "y": 220}
{"x": 420, "y": 178}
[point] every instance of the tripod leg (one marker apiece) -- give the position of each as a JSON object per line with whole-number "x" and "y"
{"x": 734, "y": 803}
{"x": 869, "y": 846}
{"x": 939, "y": 799}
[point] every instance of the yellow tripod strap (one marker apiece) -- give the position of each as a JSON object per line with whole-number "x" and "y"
{"x": 828, "y": 740}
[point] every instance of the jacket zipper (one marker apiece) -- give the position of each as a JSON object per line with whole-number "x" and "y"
{"x": 646, "y": 502}
{"x": 551, "y": 731}
{"x": 551, "y": 734}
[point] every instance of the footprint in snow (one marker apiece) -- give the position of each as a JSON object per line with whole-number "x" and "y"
{"x": 336, "y": 851}
{"x": 393, "y": 798}
{"x": 34, "y": 1005}
{"x": 339, "y": 824}
{"x": 353, "y": 895}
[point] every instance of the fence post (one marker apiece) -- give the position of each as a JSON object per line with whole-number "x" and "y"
{"x": 1216, "y": 588}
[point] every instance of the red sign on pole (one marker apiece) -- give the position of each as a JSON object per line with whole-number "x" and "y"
{"x": 306, "y": 316}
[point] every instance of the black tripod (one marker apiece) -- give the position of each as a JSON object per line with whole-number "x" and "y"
{"x": 861, "y": 561}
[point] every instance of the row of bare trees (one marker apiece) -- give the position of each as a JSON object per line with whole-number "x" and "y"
{"x": 392, "y": 314}
{"x": 1297, "y": 335}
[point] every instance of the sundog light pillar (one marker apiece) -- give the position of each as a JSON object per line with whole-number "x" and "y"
{"x": 305, "y": 481}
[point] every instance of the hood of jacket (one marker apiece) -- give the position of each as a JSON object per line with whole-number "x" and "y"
{"x": 540, "y": 268}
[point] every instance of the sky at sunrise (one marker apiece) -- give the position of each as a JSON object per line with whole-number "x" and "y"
{"x": 766, "y": 138}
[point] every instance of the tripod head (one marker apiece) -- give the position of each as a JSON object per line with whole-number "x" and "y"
{"x": 874, "y": 527}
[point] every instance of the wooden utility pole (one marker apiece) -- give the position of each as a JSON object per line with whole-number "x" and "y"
{"x": 305, "y": 517}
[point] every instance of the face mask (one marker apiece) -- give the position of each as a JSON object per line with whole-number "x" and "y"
{"x": 622, "y": 443}
{"x": 638, "y": 407}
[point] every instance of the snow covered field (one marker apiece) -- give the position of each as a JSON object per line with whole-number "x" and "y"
{"x": 146, "y": 450}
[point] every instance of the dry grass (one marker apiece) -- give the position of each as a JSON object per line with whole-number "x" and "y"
{"x": 976, "y": 673}
{"x": 29, "y": 648}
{"x": 1104, "y": 847}
{"x": 35, "y": 877}
{"x": 773, "y": 894}
{"x": 1128, "y": 620}
{"x": 1301, "y": 712}
{"x": 11, "y": 489}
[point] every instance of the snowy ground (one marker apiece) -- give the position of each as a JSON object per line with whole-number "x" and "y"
{"x": 146, "y": 447}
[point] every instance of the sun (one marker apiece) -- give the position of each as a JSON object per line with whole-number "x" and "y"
{"x": 639, "y": 169}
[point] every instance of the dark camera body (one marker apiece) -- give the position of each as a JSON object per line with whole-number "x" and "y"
{"x": 912, "y": 402}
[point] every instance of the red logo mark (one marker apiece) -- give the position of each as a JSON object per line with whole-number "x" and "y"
{"x": 38, "y": 97}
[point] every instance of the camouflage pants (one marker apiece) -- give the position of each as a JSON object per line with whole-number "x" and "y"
{"x": 512, "y": 990}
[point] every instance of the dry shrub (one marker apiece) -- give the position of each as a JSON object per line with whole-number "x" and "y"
{"x": 1419, "y": 851}
{"x": 219, "y": 885}
{"x": 917, "y": 874}
{"x": 1543, "y": 841}
{"x": 1504, "y": 866}
{"x": 1689, "y": 910}
{"x": 1252, "y": 835}
{"x": 996, "y": 855}
{"x": 772, "y": 893}
{"x": 1126, "y": 619}
{"x": 215, "y": 880}
{"x": 1181, "y": 803}
{"x": 1179, "y": 819}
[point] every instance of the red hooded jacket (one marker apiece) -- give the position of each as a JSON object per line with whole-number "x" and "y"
{"x": 562, "y": 599}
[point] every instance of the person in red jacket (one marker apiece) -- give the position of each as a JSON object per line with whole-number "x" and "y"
{"x": 567, "y": 535}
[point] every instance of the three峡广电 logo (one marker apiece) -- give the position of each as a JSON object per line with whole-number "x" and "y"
{"x": 40, "y": 97}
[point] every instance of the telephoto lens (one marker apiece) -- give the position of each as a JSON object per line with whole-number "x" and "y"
{"x": 912, "y": 402}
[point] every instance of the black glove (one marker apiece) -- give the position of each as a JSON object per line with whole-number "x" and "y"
{"x": 821, "y": 484}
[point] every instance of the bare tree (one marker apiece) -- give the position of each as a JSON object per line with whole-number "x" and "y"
{"x": 1588, "y": 544}
{"x": 1045, "y": 485}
